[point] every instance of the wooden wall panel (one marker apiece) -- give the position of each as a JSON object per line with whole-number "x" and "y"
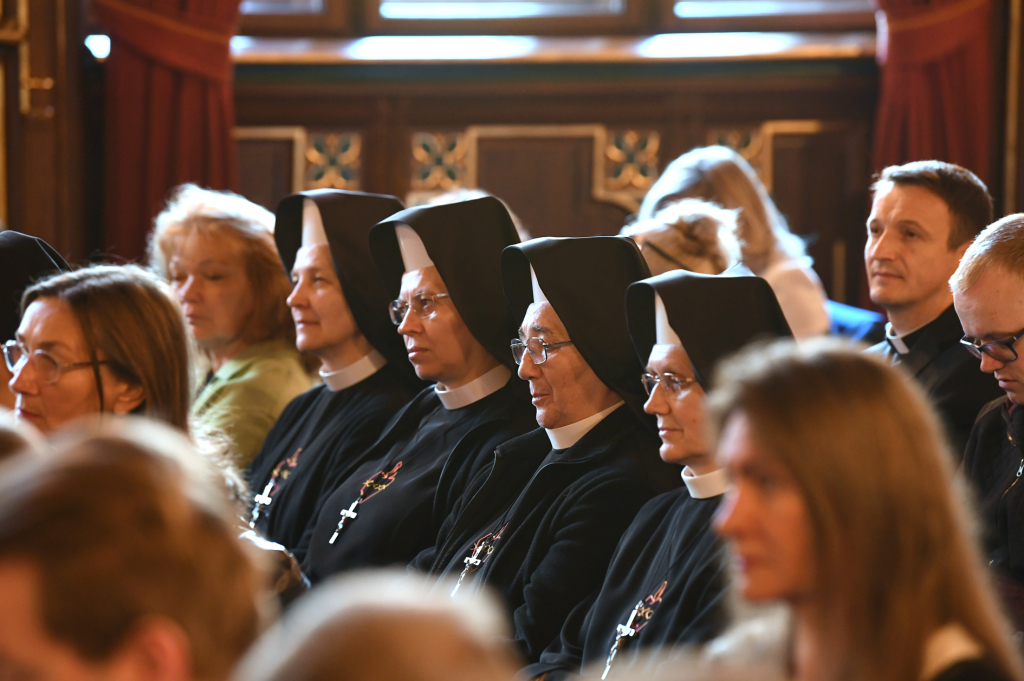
{"x": 547, "y": 183}
{"x": 820, "y": 177}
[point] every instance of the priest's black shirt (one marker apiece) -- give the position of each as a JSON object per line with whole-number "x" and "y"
{"x": 994, "y": 466}
{"x": 670, "y": 560}
{"x": 404, "y": 501}
{"x": 317, "y": 438}
{"x": 948, "y": 372}
{"x": 560, "y": 512}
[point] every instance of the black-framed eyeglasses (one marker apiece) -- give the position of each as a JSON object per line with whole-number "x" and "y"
{"x": 676, "y": 385}
{"x": 423, "y": 305}
{"x": 537, "y": 348}
{"x": 1001, "y": 351}
{"x": 46, "y": 367}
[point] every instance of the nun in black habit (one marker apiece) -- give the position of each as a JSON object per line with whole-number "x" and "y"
{"x": 666, "y": 582}
{"x": 539, "y": 524}
{"x": 24, "y": 260}
{"x": 340, "y": 311}
{"x": 441, "y": 263}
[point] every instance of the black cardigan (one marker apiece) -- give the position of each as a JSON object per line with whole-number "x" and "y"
{"x": 563, "y": 520}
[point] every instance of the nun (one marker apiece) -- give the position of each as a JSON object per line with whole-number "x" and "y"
{"x": 666, "y": 582}
{"x": 24, "y": 260}
{"x": 539, "y": 525}
{"x": 340, "y": 312}
{"x": 442, "y": 265}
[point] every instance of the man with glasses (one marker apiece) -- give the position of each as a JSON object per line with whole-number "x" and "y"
{"x": 441, "y": 265}
{"x": 924, "y": 216}
{"x": 666, "y": 583}
{"x": 988, "y": 292}
{"x": 540, "y": 523}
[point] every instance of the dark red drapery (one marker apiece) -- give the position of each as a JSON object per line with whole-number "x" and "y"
{"x": 169, "y": 110}
{"x": 935, "y": 99}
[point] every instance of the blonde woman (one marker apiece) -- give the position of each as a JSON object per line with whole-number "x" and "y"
{"x": 217, "y": 251}
{"x": 842, "y": 507}
{"x": 691, "y": 235}
{"x": 720, "y": 175}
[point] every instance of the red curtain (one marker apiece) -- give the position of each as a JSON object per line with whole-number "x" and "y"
{"x": 935, "y": 100}
{"x": 169, "y": 110}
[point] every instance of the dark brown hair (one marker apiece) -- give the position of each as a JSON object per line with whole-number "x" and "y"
{"x": 119, "y": 532}
{"x": 970, "y": 205}
{"x": 129, "y": 317}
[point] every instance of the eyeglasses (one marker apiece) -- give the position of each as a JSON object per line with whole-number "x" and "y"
{"x": 674, "y": 384}
{"x": 423, "y": 305}
{"x": 537, "y": 348}
{"x": 46, "y": 367}
{"x": 1001, "y": 351}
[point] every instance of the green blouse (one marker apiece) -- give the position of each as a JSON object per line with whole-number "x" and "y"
{"x": 247, "y": 394}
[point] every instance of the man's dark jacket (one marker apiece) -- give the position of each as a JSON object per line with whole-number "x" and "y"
{"x": 949, "y": 374}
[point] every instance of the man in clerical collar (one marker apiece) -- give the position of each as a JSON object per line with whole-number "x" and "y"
{"x": 539, "y": 524}
{"x": 988, "y": 292}
{"x": 665, "y": 585}
{"x": 441, "y": 266}
{"x": 924, "y": 216}
{"x": 340, "y": 312}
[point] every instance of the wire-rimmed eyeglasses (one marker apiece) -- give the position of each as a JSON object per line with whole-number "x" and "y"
{"x": 1001, "y": 351}
{"x": 46, "y": 367}
{"x": 537, "y": 348}
{"x": 423, "y": 305}
{"x": 676, "y": 385}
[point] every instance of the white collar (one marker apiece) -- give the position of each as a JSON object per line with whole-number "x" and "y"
{"x": 476, "y": 390}
{"x": 947, "y": 646}
{"x": 897, "y": 340}
{"x": 567, "y": 436}
{"x": 705, "y": 486}
{"x": 357, "y": 371}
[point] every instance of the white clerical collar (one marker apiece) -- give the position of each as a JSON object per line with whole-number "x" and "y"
{"x": 567, "y": 436}
{"x": 897, "y": 341}
{"x": 476, "y": 390}
{"x": 357, "y": 371}
{"x": 947, "y": 646}
{"x": 706, "y": 486}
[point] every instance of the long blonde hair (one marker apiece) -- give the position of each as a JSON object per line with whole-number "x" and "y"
{"x": 720, "y": 175}
{"x": 894, "y": 546}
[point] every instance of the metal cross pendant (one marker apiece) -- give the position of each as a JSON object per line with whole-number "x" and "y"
{"x": 261, "y": 500}
{"x": 471, "y": 562}
{"x": 622, "y": 631}
{"x": 346, "y": 513}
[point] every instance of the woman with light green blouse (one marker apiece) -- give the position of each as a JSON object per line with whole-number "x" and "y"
{"x": 217, "y": 251}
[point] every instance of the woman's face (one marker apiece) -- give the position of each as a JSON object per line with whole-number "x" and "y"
{"x": 764, "y": 518}
{"x": 49, "y": 330}
{"x": 680, "y": 416}
{"x": 209, "y": 275}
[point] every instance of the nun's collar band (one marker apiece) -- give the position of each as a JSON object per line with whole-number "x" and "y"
{"x": 358, "y": 371}
{"x": 476, "y": 390}
{"x": 567, "y": 436}
{"x": 706, "y": 486}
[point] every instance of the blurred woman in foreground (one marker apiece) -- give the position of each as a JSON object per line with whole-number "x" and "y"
{"x": 843, "y": 508}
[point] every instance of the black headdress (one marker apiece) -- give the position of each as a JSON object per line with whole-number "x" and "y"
{"x": 464, "y": 241}
{"x": 585, "y": 280}
{"x": 712, "y": 315}
{"x": 24, "y": 260}
{"x": 347, "y": 218}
